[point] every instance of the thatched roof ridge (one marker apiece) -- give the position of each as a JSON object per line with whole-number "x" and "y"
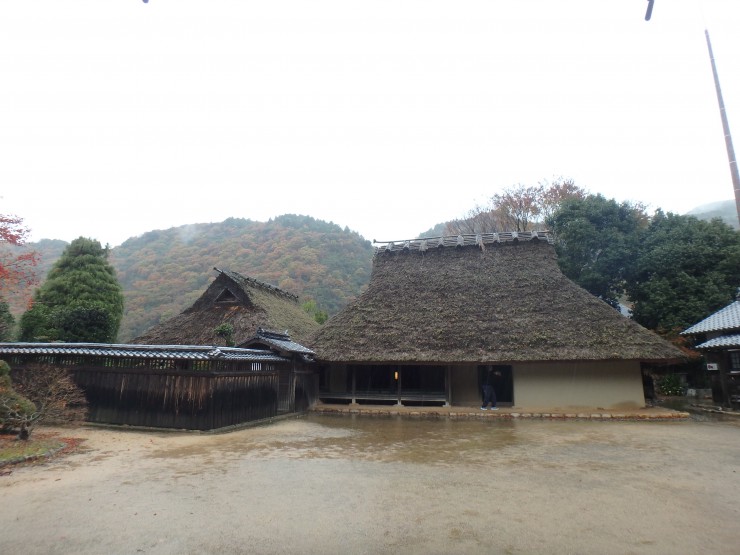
{"x": 246, "y": 304}
{"x": 479, "y": 240}
{"x": 246, "y": 281}
{"x": 503, "y": 302}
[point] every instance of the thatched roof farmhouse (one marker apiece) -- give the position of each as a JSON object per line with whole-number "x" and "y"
{"x": 244, "y": 303}
{"x": 439, "y": 314}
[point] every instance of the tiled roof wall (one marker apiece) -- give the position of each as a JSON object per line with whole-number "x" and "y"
{"x": 180, "y": 352}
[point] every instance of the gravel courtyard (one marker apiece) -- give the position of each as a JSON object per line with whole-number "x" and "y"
{"x": 323, "y": 484}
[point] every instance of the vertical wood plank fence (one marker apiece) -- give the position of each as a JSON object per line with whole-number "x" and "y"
{"x": 177, "y": 390}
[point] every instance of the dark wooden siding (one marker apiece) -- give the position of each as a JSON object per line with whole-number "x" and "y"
{"x": 170, "y": 400}
{"x": 182, "y": 394}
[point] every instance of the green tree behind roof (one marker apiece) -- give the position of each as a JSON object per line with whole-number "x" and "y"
{"x": 675, "y": 270}
{"x": 685, "y": 269}
{"x": 81, "y": 299}
{"x": 597, "y": 243}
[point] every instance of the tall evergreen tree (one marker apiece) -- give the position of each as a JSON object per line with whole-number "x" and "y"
{"x": 81, "y": 299}
{"x": 7, "y": 322}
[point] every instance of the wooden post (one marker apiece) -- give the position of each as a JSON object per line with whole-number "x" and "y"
{"x": 398, "y": 391}
{"x": 724, "y": 365}
{"x": 354, "y": 384}
{"x": 448, "y": 386}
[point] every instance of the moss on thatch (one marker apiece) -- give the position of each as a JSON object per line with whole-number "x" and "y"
{"x": 245, "y": 304}
{"x": 502, "y": 303}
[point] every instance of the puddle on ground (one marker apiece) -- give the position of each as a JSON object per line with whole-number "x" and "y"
{"x": 327, "y": 437}
{"x": 430, "y": 442}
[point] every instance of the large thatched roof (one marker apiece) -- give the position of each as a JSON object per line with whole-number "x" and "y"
{"x": 494, "y": 298}
{"x": 245, "y": 303}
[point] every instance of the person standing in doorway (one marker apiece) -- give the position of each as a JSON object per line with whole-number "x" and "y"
{"x": 489, "y": 393}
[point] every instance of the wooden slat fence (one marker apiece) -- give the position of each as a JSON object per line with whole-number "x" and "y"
{"x": 182, "y": 394}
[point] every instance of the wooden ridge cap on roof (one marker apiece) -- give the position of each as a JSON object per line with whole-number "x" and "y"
{"x": 238, "y": 278}
{"x": 476, "y": 239}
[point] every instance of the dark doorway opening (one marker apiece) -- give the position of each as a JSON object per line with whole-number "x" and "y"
{"x": 500, "y": 377}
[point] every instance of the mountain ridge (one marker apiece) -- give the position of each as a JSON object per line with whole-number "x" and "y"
{"x": 163, "y": 271}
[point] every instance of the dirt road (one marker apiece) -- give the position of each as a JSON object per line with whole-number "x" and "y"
{"x": 362, "y": 485}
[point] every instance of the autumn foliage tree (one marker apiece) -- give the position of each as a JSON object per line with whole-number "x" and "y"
{"x": 16, "y": 261}
{"x": 517, "y": 208}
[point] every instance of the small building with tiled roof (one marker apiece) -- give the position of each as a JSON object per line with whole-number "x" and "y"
{"x": 237, "y": 304}
{"x": 718, "y": 338}
{"x": 441, "y": 315}
{"x": 280, "y": 342}
{"x": 298, "y": 383}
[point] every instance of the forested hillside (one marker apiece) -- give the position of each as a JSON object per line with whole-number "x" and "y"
{"x": 48, "y": 251}
{"x": 163, "y": 272}
{"x": 725, "y": 210}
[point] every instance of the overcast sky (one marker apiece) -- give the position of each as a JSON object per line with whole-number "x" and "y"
{"x": 118, "y": 117}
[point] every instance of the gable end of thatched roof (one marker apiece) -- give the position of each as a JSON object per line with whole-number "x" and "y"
{"x": 245, "y": 282}
{"x": 237, "y": 302}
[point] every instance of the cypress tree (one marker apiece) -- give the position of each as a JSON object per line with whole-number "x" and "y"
{"x": 7, "y": 322}
{"x": 80, "y": 301}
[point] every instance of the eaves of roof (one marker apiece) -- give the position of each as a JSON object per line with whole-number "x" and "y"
{"x": 727, "y": 318}
{"x": 289, "y": 346}
{"x": 278, "y": 341}
{"x": 722, "y": 342}
{"x": 172, "y": 352}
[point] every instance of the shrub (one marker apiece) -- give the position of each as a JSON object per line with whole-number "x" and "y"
{"x": 52, "y": 393}
{"x": 671, "y": 384}
{"x": 226, "y": 332}
{"x": 15, "y": 409}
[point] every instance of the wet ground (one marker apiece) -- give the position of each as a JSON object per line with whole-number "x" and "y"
{"x": 330, "y": 484}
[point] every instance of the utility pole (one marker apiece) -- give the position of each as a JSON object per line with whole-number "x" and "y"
{"x": 726, "y": 128}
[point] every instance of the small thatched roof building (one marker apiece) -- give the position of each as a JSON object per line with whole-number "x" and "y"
{"x": 456, "y": 307}
{"x": 246, "y": 304}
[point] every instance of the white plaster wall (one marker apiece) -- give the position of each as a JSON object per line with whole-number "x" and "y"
{"x": 605, "y": 385}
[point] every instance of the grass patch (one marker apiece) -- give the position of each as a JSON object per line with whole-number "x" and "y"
{"x": 13, "y": 449}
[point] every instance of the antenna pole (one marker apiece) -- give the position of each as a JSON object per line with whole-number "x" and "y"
{"x": 726, "y": 128}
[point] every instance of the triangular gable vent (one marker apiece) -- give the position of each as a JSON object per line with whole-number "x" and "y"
{"x": 226, "y": 296}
